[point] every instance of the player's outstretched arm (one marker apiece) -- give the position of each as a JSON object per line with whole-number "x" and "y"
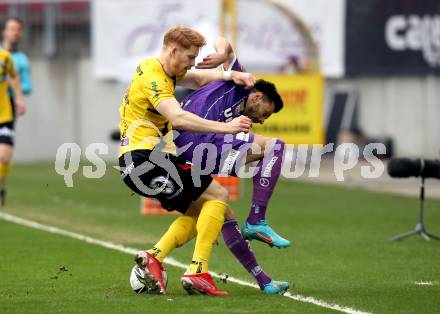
{"x": 185, "y": 120}
{"x": 194, "y": 80}
{"x": 224, "y": 55}
{"x": 14, "y": 82}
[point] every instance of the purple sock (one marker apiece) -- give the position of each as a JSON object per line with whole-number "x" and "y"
{"x": 269, "y": 169}
{"x": 241, "y": 250}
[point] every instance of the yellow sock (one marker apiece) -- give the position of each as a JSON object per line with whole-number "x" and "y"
{"x": 182, "y": 230}
{"x": 5, "y": 168}
{"x": 209, "y": 225}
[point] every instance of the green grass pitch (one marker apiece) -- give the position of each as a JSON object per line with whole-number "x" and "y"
{"x": 340, "y": 252}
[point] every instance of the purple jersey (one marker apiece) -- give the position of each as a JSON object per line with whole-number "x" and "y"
{"x": 218, "y": 101}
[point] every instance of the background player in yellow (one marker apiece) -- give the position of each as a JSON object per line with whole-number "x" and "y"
{"x": 150, "y": 167}
{"x": 8, "y": 76}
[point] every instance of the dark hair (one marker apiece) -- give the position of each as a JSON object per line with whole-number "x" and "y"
{"x": 15, "y": 19}
{"x": 270, "y": 91}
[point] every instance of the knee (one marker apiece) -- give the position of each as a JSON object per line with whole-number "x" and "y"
{"x": 279, "y": 145}
{"x": 5, "y": 154}
{"x": 221, "y": 193}
{"x": 274, "y": 146}
{"x": 279, "y": 142}
{"x": 5, "y": 159}
{"x": 271, "y": 143}
{"x": 230, "y": 215}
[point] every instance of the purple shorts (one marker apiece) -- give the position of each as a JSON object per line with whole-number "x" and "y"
{"x": 214, "y": 153}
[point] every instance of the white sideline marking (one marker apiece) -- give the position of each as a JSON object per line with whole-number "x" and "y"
{"x": 169, "y": 260}
{"x": 424, "y": 283}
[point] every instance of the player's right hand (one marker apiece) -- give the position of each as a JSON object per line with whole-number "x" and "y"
{"x": 239, "y": 124}
{"x": 20, "y": 106}
{"x": 243, "y": 79}
{"x": 212, "y": 61}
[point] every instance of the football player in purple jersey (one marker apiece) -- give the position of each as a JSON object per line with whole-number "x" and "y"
{"x": 225, "y": 154}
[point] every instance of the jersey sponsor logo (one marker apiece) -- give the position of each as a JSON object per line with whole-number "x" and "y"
{"x": 268, "y": 169}
{"x": 5, "y": 131}
{"x": 229, "y": 162}
{"x": 228, "y": 114}
{"x": 155, "y": 89}
{"x": 162, "y": 184}
{"x": 242, "y": 136}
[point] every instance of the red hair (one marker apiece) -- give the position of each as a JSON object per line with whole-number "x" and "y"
{"x": 184, "y": 37}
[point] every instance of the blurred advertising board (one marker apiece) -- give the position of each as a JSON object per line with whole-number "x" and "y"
{"x": 301, "y": 119}
{"x": 271, "y": 36}
{"x": 392, "y": 37}
{"x": 272, "y": 33}
{"x": 125, "y": 32}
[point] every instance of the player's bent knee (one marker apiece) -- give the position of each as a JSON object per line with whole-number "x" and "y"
{"x": 230, "y": 215}
{"x": 222, "y": 194}
{"x": 276, "y": 144}
{"x": 5, "y": 153}
{"x": 280, "y": 142}
{"x": 219, "y": 192}
{"x": 215, "y": 191}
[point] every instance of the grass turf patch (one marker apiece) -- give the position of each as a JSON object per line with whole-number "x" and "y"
{"x": 340, "y": 251}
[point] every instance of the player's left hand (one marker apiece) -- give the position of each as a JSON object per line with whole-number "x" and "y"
{"x": 237, "y": 125}
{"x": 212, "y": 61}
{"x": 244, "y": 79}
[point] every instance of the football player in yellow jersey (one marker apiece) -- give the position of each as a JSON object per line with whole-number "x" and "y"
{"x": 150, "y": 167}
{"x": 8, "y": 77}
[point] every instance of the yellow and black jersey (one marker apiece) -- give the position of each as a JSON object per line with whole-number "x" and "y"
{"x": 141, "y": 126}
{"x": 6, "y": 70}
